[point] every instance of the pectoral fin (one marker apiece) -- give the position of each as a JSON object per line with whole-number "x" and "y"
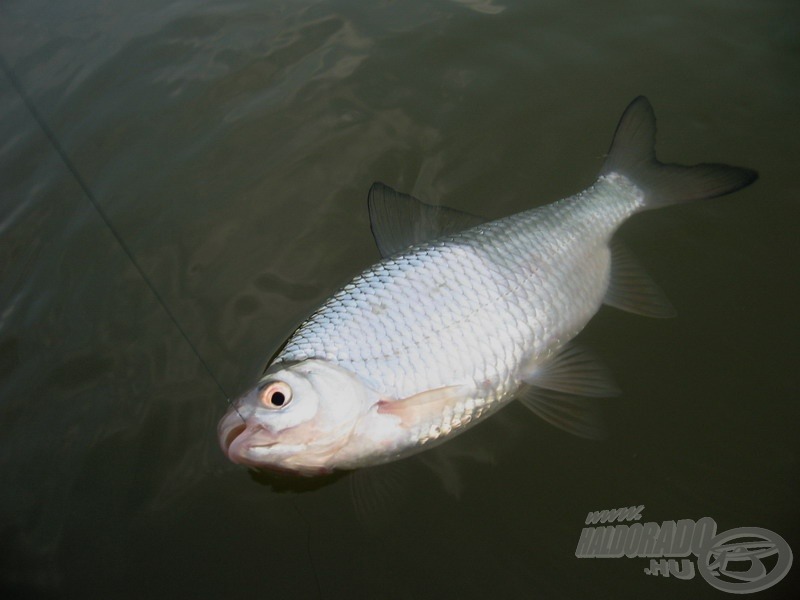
{"x": 425, "y": 406}
{"x": 399, "y": 220}
{"x": 378, "y": 493}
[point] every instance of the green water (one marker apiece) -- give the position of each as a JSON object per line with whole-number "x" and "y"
{"x": 232, "y": 145}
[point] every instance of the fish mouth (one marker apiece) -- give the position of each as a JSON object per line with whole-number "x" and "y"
{"x": 238, "y": 438}
{"x": 231, "y": 435}
{"x": 243, "y": 442}
{"x": 235, "y": 432}
{"x": 246, "y": 441}
{"x": 248, "y": 444}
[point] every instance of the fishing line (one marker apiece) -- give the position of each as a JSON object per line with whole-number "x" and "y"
{"x": 308, "y": 545}
{"x": 15, "y": 83}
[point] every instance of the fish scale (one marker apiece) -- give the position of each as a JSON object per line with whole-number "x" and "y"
{"x": 468, "y": 308}
{"x": 462, "y": 316}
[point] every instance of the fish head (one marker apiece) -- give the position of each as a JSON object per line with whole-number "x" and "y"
{"x": 296, "y": 419}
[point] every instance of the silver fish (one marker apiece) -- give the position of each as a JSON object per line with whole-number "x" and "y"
{"x": 461, "y": 317}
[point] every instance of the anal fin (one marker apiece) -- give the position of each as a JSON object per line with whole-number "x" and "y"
{"x": 631, "y": 288}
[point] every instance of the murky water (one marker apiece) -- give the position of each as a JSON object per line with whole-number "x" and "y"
{"x": 232, "y": 145}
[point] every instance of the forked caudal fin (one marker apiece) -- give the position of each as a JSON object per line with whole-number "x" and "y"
{"x": 632, "y": 154}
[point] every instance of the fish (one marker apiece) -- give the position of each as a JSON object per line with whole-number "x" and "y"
{"x": 462, "y": 316}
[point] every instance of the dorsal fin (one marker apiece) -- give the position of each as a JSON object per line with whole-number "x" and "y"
{"x": 399, "y": 220}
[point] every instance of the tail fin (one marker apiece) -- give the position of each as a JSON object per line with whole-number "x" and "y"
{"x": 633, "y": 155}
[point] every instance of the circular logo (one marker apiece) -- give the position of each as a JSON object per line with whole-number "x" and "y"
{"x": 734, "y": 560}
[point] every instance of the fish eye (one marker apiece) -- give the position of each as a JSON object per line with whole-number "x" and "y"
{"x": 276, "y": 395}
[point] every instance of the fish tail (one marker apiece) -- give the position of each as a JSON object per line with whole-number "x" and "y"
{"x": 632, "y": 154}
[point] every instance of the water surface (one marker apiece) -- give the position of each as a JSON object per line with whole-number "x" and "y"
{"x": 232, "y": 145}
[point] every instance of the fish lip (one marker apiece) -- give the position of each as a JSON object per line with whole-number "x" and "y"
{"x": 264, "y": 445}
{"x": 228, "y": 435}
{"x": 241, "y": 445}
{"x": 229, "y": 428}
